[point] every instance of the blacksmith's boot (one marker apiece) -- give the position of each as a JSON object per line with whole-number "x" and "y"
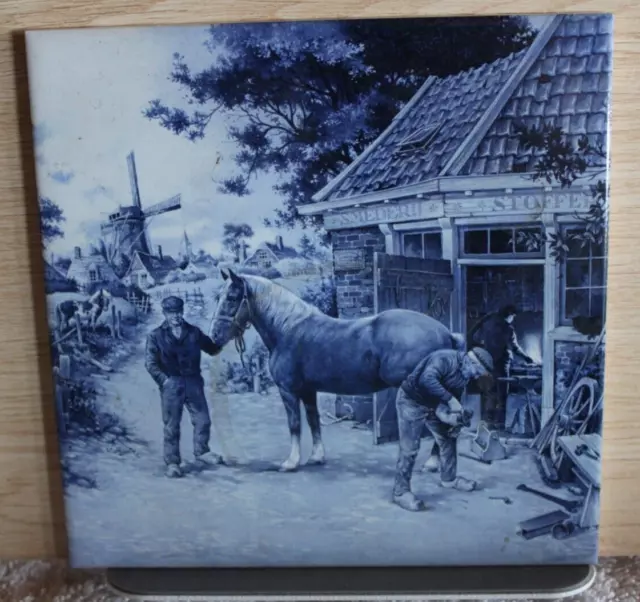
{"x": 408, "y": 501}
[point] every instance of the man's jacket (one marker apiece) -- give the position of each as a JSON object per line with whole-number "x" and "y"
{"x": 498, "y": 337}
{"x": 437, "y": 378}
{"x": 168, "y": 356}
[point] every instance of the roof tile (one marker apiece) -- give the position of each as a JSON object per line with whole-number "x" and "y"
{"x": 584, "y": 47}
{"x": 571, "y": 27}
{"x": 602, "y": 44}
{"x": 568, "y": 104}
{"x": 589, "y": 26}
{"x": 564, "y": 65}
{"x": 584, "y": 103}
{"x": 595, "y": 63}
{"x": 597, "y": 123}
{"x": 578, "y": 65}
{"x": 569, "y": 46}
{"x": 578, "y": 124}
{"x": 590, "y": 83}
{"x": 553, "y": 107}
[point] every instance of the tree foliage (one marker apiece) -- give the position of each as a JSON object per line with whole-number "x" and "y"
{"x": 561, "y": 161}
{"x": 234, "y": 236}
{"x": 51, "y": 218}
{"x": 304, "y": 99}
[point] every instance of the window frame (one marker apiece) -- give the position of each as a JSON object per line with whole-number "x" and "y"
{"x": 496, "y": 226}
{"x": 563, "y": 320}
{"x": 421, "y": 232}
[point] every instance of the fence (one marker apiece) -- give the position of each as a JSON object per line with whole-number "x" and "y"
{"x": 141, "y": 304}
{"x": 194, "y": 297}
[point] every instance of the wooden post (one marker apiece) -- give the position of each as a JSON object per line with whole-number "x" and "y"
{"x": 114, "y": 332}
{"x": 119, "y": 324}
{"x": 78, "y": 328}
{"x": 62, "y": 391}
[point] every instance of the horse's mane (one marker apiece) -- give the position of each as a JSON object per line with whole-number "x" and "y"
{"x": 283, "y": 307}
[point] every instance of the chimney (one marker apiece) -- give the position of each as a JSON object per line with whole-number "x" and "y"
{"x": 160, "y": 251}
{"x": 279, "y": 243}
{"x": 77, "y": 253}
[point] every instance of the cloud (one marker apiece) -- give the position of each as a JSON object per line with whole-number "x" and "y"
{"x": 99, "y": 192}
{"x": 63, "y": 177}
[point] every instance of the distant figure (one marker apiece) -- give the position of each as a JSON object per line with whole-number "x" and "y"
{"x": 430, "y": 395}
{"x": 173, "y": 361}
{"x": 497, "y": 335}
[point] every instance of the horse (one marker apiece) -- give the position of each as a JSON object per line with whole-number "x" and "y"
{"x": 311, "y": 352}
{"x": 88, "y": 310}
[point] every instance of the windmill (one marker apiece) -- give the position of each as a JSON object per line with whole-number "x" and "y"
{"x": 125, "y": 230}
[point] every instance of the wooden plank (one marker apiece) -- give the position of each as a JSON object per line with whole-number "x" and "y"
{"x": 588, "y": 465}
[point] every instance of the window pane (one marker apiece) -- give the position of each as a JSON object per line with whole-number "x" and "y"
{"x": 476, "y": 242}
{"x": 576, "y": 303}
{"x": 597, "y": 249}
{"x": 577, "y": 273}
{"x": 432, "y": 245}
{"x": 413, "y": 245}
{"x": 529, "y": 240}
{"x": 598, "y": 298}
{"x": 501, "y": 241}
{"x": 577, "y": 248}
{"x": 597, "y": 272}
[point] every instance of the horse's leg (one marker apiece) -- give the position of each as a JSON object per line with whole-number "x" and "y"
{"x": 292, "y": 407}
{"x": 310, "y": 401}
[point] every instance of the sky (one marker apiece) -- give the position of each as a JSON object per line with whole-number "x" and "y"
{"x": 88, "y": 89}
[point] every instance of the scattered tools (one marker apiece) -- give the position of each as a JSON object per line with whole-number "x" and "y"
{"x": 486, "y": 444}
{"x": 543, "y": 525}
{"x": 584, "y": 449}
{"x": 568, "y": 505}
{"x": 507, "y": 500}
{"x": 472, "y": 457}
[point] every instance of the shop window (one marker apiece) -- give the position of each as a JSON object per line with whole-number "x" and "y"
{"x": 427, "y": 245}
{"x": 510, "y": 241}
{"x": 582, "y": 278}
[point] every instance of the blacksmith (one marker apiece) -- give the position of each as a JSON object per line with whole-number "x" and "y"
{"x": 497, "y": 335}
{"x": 430, "y": 395}
{"x": 173, "y": 361}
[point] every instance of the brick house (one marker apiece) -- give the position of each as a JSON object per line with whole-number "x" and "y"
{"x": 88, "y": 271}
{"x": 267, "y": 254}
{"x": 440, "y": 214}
{"x": 146, "y": 270}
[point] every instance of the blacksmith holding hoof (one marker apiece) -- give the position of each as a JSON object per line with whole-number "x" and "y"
{"x": 430, "y": 395}
{"x": 173, "y": 361}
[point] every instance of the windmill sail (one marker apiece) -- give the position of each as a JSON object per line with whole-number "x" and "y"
{"x": 164, "y": 206}
{"x": 133, "y": 180}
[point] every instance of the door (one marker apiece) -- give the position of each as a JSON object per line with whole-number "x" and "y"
{"x": 423, "y": 285}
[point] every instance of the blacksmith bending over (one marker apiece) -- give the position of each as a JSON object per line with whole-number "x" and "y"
{"x": 430, "y": 395}
{"x": 173, "y": 361}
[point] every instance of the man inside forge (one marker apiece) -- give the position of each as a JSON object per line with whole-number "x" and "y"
{"x": 430, "y": 396}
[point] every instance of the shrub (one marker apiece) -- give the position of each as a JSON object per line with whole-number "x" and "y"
{"x": 322, "y": 294}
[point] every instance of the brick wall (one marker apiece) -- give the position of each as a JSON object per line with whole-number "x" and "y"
{"x": 568, "y": 357}
{"x": 354, "y": 296}
{"x": 354, "y": 288}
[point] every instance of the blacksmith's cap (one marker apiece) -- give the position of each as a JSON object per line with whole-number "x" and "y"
{"x": 483, "y": 357}
{"x": 172, "y": 304}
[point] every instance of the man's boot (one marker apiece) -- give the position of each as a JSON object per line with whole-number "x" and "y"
{"x": 173, "y": 471}
{"x": 408, "y": 501}
{"x": 208, "y": 459}
{"x": 460, "y": 483}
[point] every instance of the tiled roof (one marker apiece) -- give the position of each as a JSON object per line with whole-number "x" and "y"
{"x": 281, "y": 253}
{"x": 158, "y": 268}
{"x": 568, "y": 87}
{"x": 80, "y": 267}
{"x": 454, "y": 103}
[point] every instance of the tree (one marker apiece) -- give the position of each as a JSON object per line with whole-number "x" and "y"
{"x": 235, "y": 236}
{"x": 560, "y": 161}
{"x": 307, "y": 98}
{"x": 51, "y": 217}
{"x": 306, "y": 247}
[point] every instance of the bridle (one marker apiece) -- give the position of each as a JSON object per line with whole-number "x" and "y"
{"x": 238, "y": 329}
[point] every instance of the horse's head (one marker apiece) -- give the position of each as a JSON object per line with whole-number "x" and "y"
{"x": 233, "y": 313}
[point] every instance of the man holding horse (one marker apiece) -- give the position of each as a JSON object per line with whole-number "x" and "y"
{"x": 173, "y": 360}
{"x": 430, "y": 396}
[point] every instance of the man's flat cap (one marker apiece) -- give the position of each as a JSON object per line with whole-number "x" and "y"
{"x": 172, "y": 304}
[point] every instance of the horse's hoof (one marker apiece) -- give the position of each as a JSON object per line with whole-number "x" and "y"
{"x": 288, "y": 467}
{"x": 316, "y": 461}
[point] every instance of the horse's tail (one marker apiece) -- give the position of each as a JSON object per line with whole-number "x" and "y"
{"x": 459, "y": 342}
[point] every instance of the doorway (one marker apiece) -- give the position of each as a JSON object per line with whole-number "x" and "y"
{"x": 518, "y": 393}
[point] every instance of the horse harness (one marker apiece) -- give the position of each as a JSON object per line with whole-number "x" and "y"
{"x": 238, "y": 329}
